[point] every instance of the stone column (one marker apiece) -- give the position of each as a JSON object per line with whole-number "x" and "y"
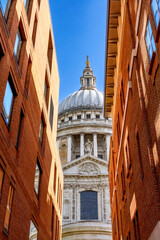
{"x": 81, "y": 144}
{"x": 95, "y": 143}
{"x": 69, "y": 148}
{"x": 58, "y": 142}
{"x": 108, "y": 146}
{"x": 82, "y": 117}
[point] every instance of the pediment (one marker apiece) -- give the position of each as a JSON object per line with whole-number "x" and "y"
{"x": 87, "y": 165}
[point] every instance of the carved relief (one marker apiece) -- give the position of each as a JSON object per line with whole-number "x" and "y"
{"x": 88, "y": 169}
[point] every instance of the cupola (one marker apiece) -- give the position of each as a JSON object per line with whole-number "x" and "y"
{"x": 88, "y": 81}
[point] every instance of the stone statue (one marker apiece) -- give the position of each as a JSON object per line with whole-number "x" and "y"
{"x": 88, "y": 147}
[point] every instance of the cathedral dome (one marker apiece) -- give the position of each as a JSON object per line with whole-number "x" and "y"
{"x": 88, "y": 97}
{"x": 82, "y": 99}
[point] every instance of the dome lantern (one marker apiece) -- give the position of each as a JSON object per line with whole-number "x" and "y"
{"x": 88, "y": 81}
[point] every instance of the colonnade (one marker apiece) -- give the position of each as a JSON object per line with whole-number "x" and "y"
{"x": 82, "y": 145}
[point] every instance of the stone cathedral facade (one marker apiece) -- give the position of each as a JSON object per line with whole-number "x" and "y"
{"x": 83, "y": 142}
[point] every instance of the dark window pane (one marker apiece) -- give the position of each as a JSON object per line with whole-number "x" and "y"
{"x": 45, "y": 91}
{"x": 50, "y": 51}
{"x": 51, "y": 113}
{"x": 19, "y": 129}
{"x": 89, "y": 205}
{"x": 1, "y": 179}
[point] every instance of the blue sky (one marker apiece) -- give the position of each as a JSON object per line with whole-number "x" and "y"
{"x": 79, "y": 30}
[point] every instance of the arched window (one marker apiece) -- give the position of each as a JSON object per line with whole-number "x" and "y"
{"x": 89, "y": 205}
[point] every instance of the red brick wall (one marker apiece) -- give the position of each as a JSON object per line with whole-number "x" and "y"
{"x": 142, "y": 179}
{"x": 19, "y": 164}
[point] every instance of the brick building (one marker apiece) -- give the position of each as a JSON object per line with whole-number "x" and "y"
{"x": 132, "y": 99}
{"x": 31, "y": 179}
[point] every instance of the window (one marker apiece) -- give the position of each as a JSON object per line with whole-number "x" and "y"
{"x": 139, "y": 154}
{"x": 34, "y": 30}
{"x": 52, "y": 221}
{"x": 1, "y": 179}
{"x": 51, "y": 113}
{"x": 123, "y": 182}
{"x": 62, "y": 120}
{"x": 37, "y": 178}
{"x": 9, "y": 208}
{"x": 136, "y": 227}
{"x": 89, "y": 205}
{"x": 55, "y": 177}
{"x": 97, "y": 116}
{"x": 156, "y": 10}
{"x": 129, "y": 236}
{"x": 50, "y": 51}
{"x": 78, "y": 117}
{"x": 5, "y": 7}
{"x": 28, "y": 76}
{"x": 19, "y": 128}
{"x": 118, "y": 130}
{"x": 127, "y": 154}
{"x": 46, "y": 90}
{"x": 8, "y": 101}
{"x": 26, "y": 4}
{"x": 88, "y": 116}
{"x": 77, "y": 156}
{"x": 1, "y": 51}
{"x": 70, "y": 118}
{"x": 41, "y": 131}
{"x": 122, "y": 98}
{"x": 33, "y": 231}
{"x": 18, "y": 45}
{"x": 100, "y": 156}
{"x": 150, "y": 40}
{"x": 87, "y": 81}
